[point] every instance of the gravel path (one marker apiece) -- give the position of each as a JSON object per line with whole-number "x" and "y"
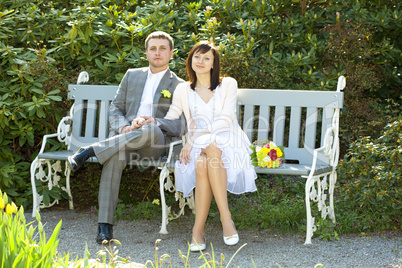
{"x": 263, "y": 247}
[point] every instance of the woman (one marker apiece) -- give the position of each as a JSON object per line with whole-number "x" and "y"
{"x": 216, "y": 157}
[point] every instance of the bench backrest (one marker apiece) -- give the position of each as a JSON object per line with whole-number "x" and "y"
{"x": 295, "y": 119}
{"x": 90, "y": 113}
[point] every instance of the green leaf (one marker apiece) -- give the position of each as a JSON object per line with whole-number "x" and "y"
{"x": 29, "y": 78}
{"x": 19, "y": 61}
{"x": 37, "y": 90}
{"x": 99, "y": 64}
{"x": 46, "y": 198}
{"x": 55, "y": 98}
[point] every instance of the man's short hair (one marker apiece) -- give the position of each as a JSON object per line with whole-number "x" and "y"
{"x": 159, "y": 35}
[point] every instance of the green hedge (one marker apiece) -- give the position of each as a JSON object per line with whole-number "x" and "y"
{"x": 295, "y": 44}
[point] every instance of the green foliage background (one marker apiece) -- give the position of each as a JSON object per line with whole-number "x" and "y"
{"x": 293, "y": 44}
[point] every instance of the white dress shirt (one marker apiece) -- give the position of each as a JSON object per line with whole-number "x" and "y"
{"x": 147, "y": 99}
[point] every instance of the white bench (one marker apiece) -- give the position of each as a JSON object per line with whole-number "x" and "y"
{"x": 298, "y": 120}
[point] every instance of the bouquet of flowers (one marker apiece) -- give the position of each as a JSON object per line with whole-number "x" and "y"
{"x": 267, "y": 155}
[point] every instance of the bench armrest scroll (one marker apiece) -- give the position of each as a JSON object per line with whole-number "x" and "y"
{"x": 64, "y": 129}
{"x": 330, "y": 149}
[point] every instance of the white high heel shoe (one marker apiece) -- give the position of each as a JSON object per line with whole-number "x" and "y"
{"x": 197, "y": 248}
{"x": 232, "y": 239}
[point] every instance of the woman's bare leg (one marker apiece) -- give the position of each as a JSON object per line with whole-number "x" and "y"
{"x": 218, "y": 182}
{"x": 203, "y": 198}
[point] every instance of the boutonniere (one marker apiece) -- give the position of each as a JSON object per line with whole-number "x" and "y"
{"x": 166, "y": 93}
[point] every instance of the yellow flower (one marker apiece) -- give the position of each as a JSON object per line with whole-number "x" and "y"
{"x": 14, "y": 207}
{"x": 269, "y": 164}
{"x": 278, "y": 152}
{"x": 275, "y": 163}
{"x": 9, "y": 209}
{"x": 166, "y": 93}
{"x": 156, "y": 202}
{"x": 1, "y": 203}
{"x": 261, "y": 154}
{"x": 265, "y": 150}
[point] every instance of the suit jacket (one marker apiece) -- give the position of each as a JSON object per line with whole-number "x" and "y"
{"x": 126, "y": 103}
{"x": 225, "y": 121}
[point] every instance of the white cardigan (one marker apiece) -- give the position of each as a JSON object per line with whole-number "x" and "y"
{"x": 225, "y": 121}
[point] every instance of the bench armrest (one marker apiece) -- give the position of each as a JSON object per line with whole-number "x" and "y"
{"x": 63, "y": 132}
{"x": 330, "y": 149}
{"x": 171, "y": 148}
{"x": 44, "y": 141}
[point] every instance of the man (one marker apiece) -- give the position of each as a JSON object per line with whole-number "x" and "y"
{"x": 139, "y": 95}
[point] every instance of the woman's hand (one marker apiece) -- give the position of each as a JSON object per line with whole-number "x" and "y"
{"x": 184, "y": 156}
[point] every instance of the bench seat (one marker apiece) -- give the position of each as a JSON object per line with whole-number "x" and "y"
{"x": 294, "y": 169}
{"x": 63, "y": 156}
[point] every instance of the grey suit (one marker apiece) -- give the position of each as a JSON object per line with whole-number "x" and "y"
{"x": 148, "y": 141}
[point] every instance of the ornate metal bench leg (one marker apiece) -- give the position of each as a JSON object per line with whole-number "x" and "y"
{"x": 310, "y": 219}
{"x": 191, "y": 203}
{"x": 164, "y": 174}
{"x": 35, "y": 195}
{"x": 67, "y": 173}
{"x": 332, "y": 182}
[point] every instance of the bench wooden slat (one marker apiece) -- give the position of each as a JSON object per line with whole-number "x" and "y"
{"x": 248, "y": 121}
{"x": 302, "y": 98}
{"x": 294, "y": 127}
{"x": 90, "y": 122}
{"x": 77, "y": 119}
{"x": 263, "y": 123}
{"x": 98, "y": 92}
{"x": 103, "y": 120}
{"x": 327, "y": 116}
{"x": 279, "y": 125}
{"x": 311, "y": 127}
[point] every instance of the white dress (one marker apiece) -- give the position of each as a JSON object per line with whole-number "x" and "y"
{"x": 235, "y": 152}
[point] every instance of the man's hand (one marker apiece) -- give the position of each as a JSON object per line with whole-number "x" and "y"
{"x": 149, "y": 120}
{"x": 125, "y": 129}
{"x": 137, "y": 123}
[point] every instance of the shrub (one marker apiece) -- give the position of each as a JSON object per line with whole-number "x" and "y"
{"x": 31, "y": 105}
{"x": 370, "y": 178}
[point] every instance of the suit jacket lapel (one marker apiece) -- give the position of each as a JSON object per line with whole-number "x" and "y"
{"x": 163, "y": 84}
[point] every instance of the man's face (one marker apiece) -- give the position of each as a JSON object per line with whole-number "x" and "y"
{"x": 158, "y": 54}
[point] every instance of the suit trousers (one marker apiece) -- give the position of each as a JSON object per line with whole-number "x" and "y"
{"x": 115, "y": 153}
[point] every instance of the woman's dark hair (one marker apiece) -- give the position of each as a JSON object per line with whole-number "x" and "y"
{"x": 203, "y": 47}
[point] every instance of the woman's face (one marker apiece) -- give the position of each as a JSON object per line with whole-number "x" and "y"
{"x": 202, "y": 63}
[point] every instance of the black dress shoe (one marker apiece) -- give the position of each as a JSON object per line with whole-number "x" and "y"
{"x": 79, "y": 157}
{"x": 105, "y": 232}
